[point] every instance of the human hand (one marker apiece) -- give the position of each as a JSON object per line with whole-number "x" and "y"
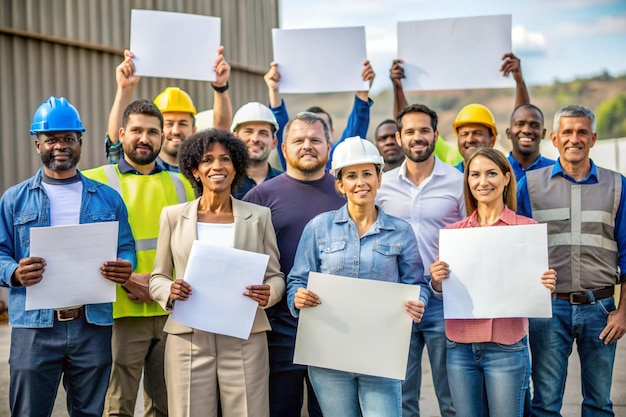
{"x": 125, "y": 72}
{"x": 615, "y": 327}
{"x": 396, "y": 73}
{"x": 221, "y": 68}
{"x": 512, "y": 65}
{"x": 180, "y": 290}
{"x": 117, "y": 271}
{"x": 415, "y": 309}
{"x": 29, "y": 271}
{"x": 438, "y": 271}
{"x": 259, "y": 293}
{"x": 137, "y": 288}
{"x": 368, "y": 73}
{"x": 548, "y": 279}
{"x": 272, "y": 77}
{"x": 305, "y": 298}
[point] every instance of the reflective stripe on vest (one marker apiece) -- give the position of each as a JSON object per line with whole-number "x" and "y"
{"x": 581, "y": 223}
{"x": 114, "y": 182}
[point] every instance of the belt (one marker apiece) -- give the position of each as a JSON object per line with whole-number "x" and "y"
{"x": 71, "y": 314}
{"x": 586, "y": 297}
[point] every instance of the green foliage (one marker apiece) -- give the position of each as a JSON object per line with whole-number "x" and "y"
{"x": 611, "y": 117}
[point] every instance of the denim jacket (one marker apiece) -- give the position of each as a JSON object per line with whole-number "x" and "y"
{"x": 330, "y": 244}
{"x": 26, "y": 205}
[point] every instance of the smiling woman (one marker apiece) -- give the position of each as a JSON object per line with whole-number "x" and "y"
{"x": 496, "y": 384}
{"x": 203, "y": 369}
{"x": 387, "y": 251}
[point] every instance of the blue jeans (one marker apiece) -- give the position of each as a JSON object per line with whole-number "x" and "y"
{"x": 551, "y": 342}
{"x": 347, "y": 394}
{"x": 430, "y": 332}
{"x": 488, "y": 379}
{"x": 76, "y": 350}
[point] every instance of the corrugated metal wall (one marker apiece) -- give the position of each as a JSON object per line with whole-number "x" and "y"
{"x": 70, "y": 48}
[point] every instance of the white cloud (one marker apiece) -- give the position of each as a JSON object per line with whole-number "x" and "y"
{"x": 528, "y": 43}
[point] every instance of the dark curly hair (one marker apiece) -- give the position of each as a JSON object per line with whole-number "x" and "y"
{"x": 195, "y": 146}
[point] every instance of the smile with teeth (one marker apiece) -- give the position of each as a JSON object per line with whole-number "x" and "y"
{"x": 525, "y": 140}
{"x": 217, "y": 176}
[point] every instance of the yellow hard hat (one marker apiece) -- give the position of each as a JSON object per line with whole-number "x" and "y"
{"x": 475, "y": 113}
{"x": 174, "y": 99}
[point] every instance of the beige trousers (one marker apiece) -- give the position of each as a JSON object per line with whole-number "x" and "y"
{"x": 201, "y": 366}
{"x": 138, "y": 344}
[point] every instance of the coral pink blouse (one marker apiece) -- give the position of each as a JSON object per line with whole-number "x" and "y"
{"x": 505, "y": 330}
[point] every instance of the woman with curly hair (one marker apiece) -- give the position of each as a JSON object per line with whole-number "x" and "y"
{"x": 202, "y": 368}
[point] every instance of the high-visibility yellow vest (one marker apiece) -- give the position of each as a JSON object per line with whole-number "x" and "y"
{"x": 144, "y": 196}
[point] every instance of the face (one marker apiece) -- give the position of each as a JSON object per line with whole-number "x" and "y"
{"x": 216, "y": 169}
{"x": 417, "y": 136}
{"x": 305, "y": 147}
{"x": 259, "y": 139}
{"x": 359, "y": 183}
{"x": 386, "y": 143}
{"x": 59, "y": 151}
{"x": 473, "y": 136}
{"x": 177, "y": 126}
{"x": 574, "y": 139}
{"x": 141, "y": 139}
{"x": 486, "y": 180}
{"x": 526, "y": 131}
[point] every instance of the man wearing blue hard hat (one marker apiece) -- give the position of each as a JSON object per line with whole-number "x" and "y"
{"x": 72, "y": 341}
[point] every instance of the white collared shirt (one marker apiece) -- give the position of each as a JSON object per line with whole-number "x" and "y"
{"x": 437, "y": 202}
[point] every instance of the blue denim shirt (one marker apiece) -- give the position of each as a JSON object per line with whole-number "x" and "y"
{"x": 26, "y": 205}
{"x": 330, "y": 244}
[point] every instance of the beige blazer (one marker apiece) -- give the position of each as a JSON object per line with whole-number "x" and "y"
{"x": 253, "y": 232}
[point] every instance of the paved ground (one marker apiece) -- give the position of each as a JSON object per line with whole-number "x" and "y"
{"x": 428, "y": 401}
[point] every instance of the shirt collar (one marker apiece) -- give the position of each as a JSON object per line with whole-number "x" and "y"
{"x": 507, "y": 217}
{"x": 558, "y": 170}
{"x": 383, "y": 220}
{"x": 126, "y": 168}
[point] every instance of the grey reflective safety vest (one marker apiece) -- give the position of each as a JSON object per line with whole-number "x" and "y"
{"x": 581, "y": 225}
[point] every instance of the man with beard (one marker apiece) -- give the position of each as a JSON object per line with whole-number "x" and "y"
{"x": 526, "y": 132}
{"x": 358, "y": 120}
{"x": 427, "y": 193}
{"x": 302, "y": 192}
{"x": 385, "y": 141}
{"x": 73, "y": 342}
{"x": 176, "y": 106}
{"x": 256, "y": 126}
{"x": 138, "y": 338}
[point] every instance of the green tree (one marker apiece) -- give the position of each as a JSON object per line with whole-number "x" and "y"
{"x": 611, "y": 118}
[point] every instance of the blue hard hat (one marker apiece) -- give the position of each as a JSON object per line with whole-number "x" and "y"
{"x": 56, "y": 115}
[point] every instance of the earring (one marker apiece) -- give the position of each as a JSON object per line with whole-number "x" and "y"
{"x": 197, "y": 179}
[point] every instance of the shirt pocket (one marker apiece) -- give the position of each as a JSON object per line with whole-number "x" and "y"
{"x": 102, "y": 216}
{"x": 385, "y": 261}
{"x": 22, "y": 223}
{"x": 331, "y": 253}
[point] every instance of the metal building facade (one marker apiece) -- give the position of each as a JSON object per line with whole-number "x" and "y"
{"x": 70, "y": 48}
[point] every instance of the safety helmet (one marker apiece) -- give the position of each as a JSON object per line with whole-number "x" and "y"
{"x": 354, "y": 151}
{"x": 56, "y": 115}
{"x": 253, "y": 112}
{"x": 174, "y": 99}
{"x": 204, "y": 120}
{"x": 475, "y": 113}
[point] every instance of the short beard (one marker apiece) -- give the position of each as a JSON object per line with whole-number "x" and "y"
{"x": 142, "y": 160}
{"x": 54, "y": 165}
{"x": 422, "y": 156}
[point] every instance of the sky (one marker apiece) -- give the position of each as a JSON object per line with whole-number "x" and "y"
{"x": 555, "y": 39}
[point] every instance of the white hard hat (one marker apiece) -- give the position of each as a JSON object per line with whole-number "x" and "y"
{"x": 354, "y": 151}
{"x": 204, "y": 120}
{"x": 253, "y": 112}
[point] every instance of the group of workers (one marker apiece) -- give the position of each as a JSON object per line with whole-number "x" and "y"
{"x": 348, "y": 207}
